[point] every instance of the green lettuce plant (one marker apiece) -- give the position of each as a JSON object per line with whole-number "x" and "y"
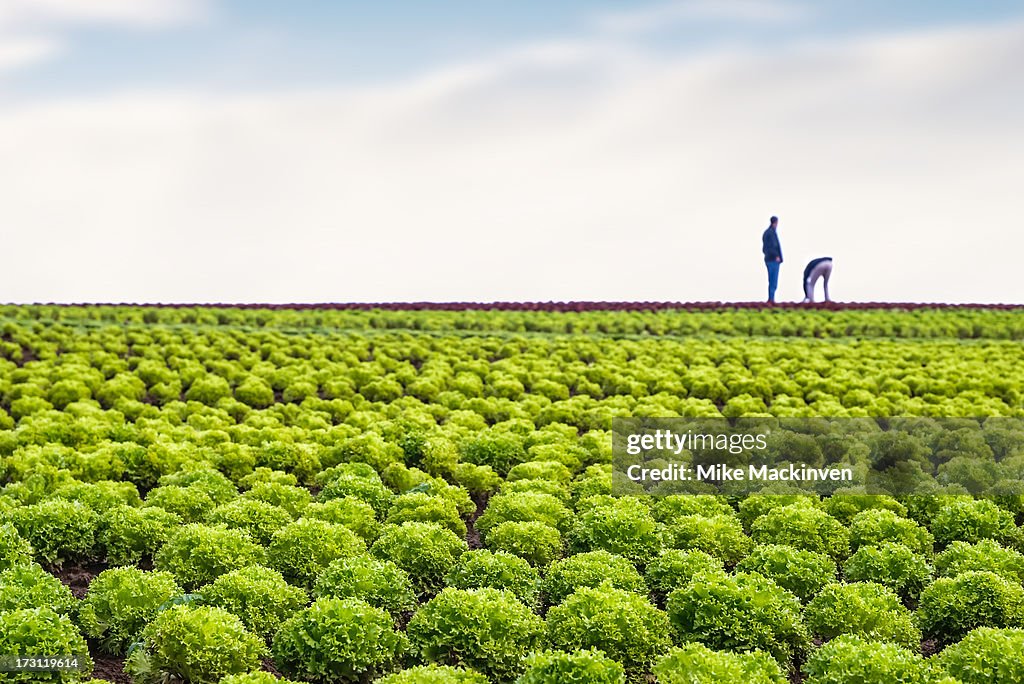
{"x": 338, "y": 640}
{"x": 487, "y": 630}
{"x": 434, "y": 674}
{"x": 193, "y": 644}
{"x": 950, "y": 607}
{"x": 800, "y": 571}
{"x": 803, "y": 527}
{"x": 422, "y": 507}
{"x": 695, "y": 662}
{"x": 591, "y": 569}
{"x": 380, "y": 583}
{"x": 130, "y": 535}
{"x": 670, "y": 508}
{"x": 289, "y": 497}
{"x": 34, "y": 632}
{"x": 675, "y": 568}
{"x": 844, "y": 506}
{"x": 482, "y": 569}
{"x": 718, "y": 535}
{"x": 856, "y": 659}
{"x": 100, "y": 496}
{"x": 58, "y": 530}
{"x": 875, "y": 525}
{"x": 198, "y": 554}
{"x": 256, "y": 595}
{"x": 29, "y": 586}
{"x": 892, "y": 565}
{"x": 972, "y": 521}
{"x": 524, "y": 507}
{"x": 14, "y": 550}
{"x": 537, "y": 543}
{"x": 552, "y": 488}
{"x": 368, "y": 489}
{"x": 192, "y": 505}
{"x": 120, "y": 602}
{"x": 540, "y": 470}
{"x": 300, "y": 551}
{"x": 743, "y": 612}
{"x": 494, "y": 449}
{"x": 425, "y": 551}
{"x": 623, "y": 527}
{"x": 864, "y": 609}
{"x": 205, "y": 478}
{"x": 260, "y": 677}
{"x": 353, "y": 513}
{"x": 986, "y": 554}
{"x": 591, "y": 666}
{"x": 753, "y": 507}
{"x": 259, "y": 519}
{"x": 623, "y": 625}
{"x": 986, "y": 655}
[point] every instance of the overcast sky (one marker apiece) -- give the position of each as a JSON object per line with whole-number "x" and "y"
{"x": 267, "y": 151}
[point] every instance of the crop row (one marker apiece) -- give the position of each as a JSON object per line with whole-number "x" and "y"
{"x": 335, "y": 377}
{"x": 342, "y": 595}
{"x": 417, "y": 508}
{"x": 824, "y": 321}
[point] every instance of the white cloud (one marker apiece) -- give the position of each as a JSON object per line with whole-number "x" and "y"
{"x": 650, "y": 18}
{"x": 32, "y": 31}
{"x": 33, "y": 13}
{"x": 580, "y": 171}
{"x": 19, "y": 52}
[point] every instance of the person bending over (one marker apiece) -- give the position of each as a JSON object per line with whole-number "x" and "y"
{"x": 817, "y": 268}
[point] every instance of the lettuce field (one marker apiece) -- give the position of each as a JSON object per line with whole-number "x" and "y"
{"x": 424, "y": 495}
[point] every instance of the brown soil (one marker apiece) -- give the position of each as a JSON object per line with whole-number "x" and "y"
{"x": 268, "y": 666}
{"x": 109, "y": 668}
{"x": 78, "y": 577}
{"x": 472, "y": 534}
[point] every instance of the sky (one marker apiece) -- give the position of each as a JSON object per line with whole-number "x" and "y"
{"x": 483, "y": 150}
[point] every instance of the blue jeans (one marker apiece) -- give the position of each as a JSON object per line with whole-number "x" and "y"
{"x": 773, "y": 278}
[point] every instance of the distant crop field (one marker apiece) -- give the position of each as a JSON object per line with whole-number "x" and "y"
{"x": 423, "y": 494}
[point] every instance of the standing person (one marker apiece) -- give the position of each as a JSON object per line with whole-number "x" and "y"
{"x": 817, "y": 268}
{"x": 772, "y": 256}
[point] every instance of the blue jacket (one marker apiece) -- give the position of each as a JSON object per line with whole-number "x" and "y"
{"x": 770, "y": 245}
